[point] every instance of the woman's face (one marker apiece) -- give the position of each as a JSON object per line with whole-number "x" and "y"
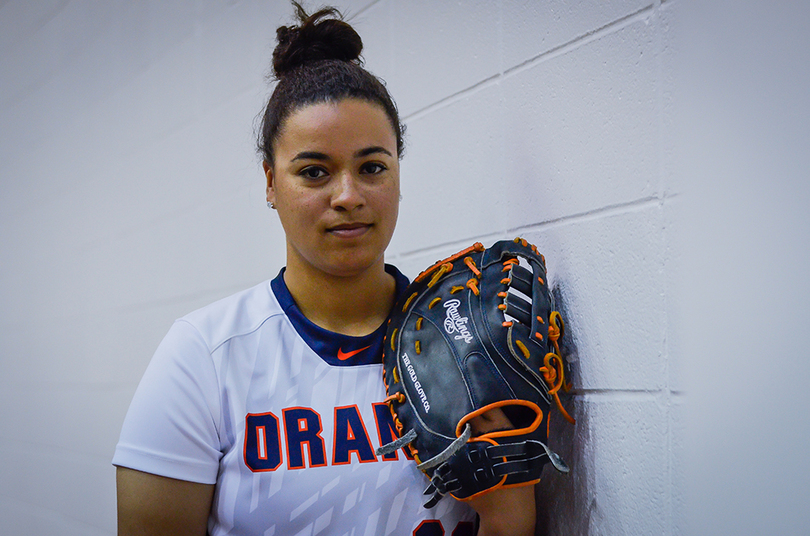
{"x": 335, "y": 184}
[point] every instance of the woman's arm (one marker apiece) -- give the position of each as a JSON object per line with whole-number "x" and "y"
{"x": 155, "y": 505}
{"x": 506, "y": 512}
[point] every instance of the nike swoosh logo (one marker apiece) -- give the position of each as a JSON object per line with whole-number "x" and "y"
{"x": 343, "y": 356}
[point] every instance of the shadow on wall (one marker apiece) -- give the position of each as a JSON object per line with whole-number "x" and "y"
{"x": 565, "y": 503}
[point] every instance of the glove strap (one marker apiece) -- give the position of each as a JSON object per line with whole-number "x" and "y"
{"x": 451, "y": 449}
{"x": 394, "y": 445}
{"x": 482, "y": 466}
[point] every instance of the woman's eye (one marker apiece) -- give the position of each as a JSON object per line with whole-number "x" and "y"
{"x": 312, "y": 173}
{"x": 372, "y": 168}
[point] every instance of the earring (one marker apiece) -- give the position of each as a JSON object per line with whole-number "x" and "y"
{"x": 271, "y": 205}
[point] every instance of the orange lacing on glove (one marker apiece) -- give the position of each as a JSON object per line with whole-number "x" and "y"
{"x": 523, "y": 349}
{"x": 503, "y": 294}
{"x": 555, "y": 328}
{"x": 434, "y": 301}
{"x": 443, "y": 269}
{"x": 554, "y": 374}
{"x": 540, "y": 279}
{"x": 472, "y": 284}
{"x": 477, "y": 247}
{"x": 408, "y": 301}
{"x": 549, "y": 370}
{"x": 471, "y": 265}
{"x": 553, "y": 369}
{"x": 524, "y": 243}
{"x": 456, "y": 288}
{"x": 507, "y": 264}
{"x": 399, "y": 397}
{"x": 393, "y": 339}
{"x": 507, "y": 324}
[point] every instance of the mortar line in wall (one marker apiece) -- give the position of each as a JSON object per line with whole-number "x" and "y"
{"x": 669, "y": 458}
{"x": 667, "y": 395}
{"x": 609, "y": 210}
{"x": 362, "y": 10}
{"x": 580, "y": 40}
{"x": 445, "y": 248}
{"x": 501, "y": 42}
{"x": 641, "y": 394}
{"x": 619, "y": 208}
{"x": 551, "y": 53}
{"x": 455, "y": 97}
{"x": 659, "y": 94}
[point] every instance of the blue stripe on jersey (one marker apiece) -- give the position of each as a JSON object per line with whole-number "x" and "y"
{"x": 328, "y": 344}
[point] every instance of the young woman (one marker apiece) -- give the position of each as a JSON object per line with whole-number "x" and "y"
{"x": 260, "y": 413}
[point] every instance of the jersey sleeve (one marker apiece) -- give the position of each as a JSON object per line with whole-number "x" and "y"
{"x": 171, "y": 428}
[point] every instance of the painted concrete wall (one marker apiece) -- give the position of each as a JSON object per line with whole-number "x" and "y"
{"x": 130, "y": 194}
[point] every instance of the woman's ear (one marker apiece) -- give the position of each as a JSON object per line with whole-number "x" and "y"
{"x": 268, "y": 172}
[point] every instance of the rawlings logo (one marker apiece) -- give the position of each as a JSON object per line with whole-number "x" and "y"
{"x": 416, "y": 384}
{"x": 455, "y": 323}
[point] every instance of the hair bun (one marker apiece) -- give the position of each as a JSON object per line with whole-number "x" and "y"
{"x": 320, "y": 36}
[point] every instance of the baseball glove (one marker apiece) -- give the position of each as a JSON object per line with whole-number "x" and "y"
{"x": 475, "y": 332}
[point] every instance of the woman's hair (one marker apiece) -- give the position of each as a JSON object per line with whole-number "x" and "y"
{"x": 319, "y": 61}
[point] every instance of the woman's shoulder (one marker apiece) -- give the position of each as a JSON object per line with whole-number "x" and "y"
{"x": 238, "y": 314}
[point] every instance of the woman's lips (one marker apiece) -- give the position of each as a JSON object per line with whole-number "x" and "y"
{"x": 349, "y": 230}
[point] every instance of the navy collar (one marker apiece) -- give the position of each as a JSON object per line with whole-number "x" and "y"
{"x": 334, "y": 348}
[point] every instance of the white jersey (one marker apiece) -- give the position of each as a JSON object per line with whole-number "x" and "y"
{"x": 284, "y": 417}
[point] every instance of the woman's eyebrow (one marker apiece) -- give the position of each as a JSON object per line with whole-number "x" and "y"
{"x": 372, "y": 150}
{"x": 310, "y": 155}
{"x": 315, "y": 155}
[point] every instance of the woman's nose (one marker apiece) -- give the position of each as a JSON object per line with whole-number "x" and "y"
{"x": 347, "y": 194}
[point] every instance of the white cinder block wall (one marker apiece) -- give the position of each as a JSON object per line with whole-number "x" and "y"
{"x": 131, "y": 194}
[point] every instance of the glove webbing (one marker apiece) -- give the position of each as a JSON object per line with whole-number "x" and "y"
{"x": 486, "y": 463}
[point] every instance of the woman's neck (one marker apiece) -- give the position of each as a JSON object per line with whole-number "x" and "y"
{"x": 352, "y": 305}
